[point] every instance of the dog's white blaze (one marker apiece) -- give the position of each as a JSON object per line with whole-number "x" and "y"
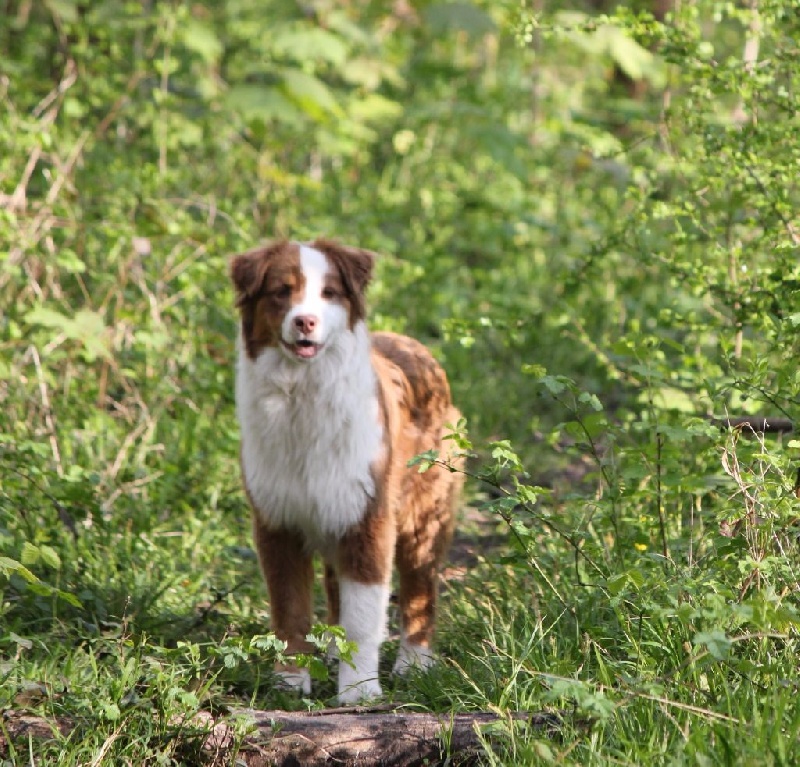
{"x": 363, "y": 617}
{"x": 332, "y": 316}
{"x": 310, "y": 430}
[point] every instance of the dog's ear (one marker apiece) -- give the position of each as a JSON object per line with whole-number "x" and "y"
{"x": 355, "y": 264}
{"x": 249, "y": 270}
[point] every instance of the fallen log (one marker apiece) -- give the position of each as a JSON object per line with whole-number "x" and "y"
{"x": 354, "y": 737}
{"x": 379, "y": 738}
{"x": 756, "y": 424}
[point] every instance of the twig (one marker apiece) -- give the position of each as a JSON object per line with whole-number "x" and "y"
{"x": 49, "y": 418}
{"x": 508, "y": 520}
{"x": 63, "y": 514}
{"x": 107, "y": 743}
{"x": 787, "y": 224}
{"x": 662, "y": 524}
{"x": 42, "y": 221}
{"x": 687, "y": 707}
{"x": 219, "y": 597}
{"x": 49, "y": 111}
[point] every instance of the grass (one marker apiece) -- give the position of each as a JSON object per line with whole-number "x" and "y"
{"x": 169, "y": 615}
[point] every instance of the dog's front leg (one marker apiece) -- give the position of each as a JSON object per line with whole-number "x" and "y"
{"x": 289, "y": 573}
{"x": 364, "y": 564}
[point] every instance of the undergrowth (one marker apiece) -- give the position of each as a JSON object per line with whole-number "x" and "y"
{"x": 589, "y": 218}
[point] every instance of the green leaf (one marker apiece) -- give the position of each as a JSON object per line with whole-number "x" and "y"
{"x": 543, "y": 752}
{"x": 86, "y": 327}
{"x": 50, "y": 556}
{"x": 66, "y": 10}
{"x": 590, "y": 399}
{"x": 309, "y": 44}
{"x": 317, "y": 669}
{"x": 49, "y": 318}
{"x": 424, "y": 461}
{"x": 262, "y": 102}
{"x": 617, "y": 583}
{"x": 375, "y": 108}
{"x": 201, "y": 39}
{"x": 29, "y": 554}
{"x": 716, "y": 642}
{"x": 89, "y": 328}
{"x": 526, "y": 494}
{"x": 310, "y": 94}
{"x": 504, "y": 455}
{"x": 69, "y": 261}
{"x": 69, "y": 598}
{"x": 10, "y": 566}
{"x": 634, "y": 60}
{"x": 110, "y": 711}
{"x": 670, "y": 398}
{"x": 553, "y": 384}
{"x": 535, "y": 371}
{"x": 268, "y": 643}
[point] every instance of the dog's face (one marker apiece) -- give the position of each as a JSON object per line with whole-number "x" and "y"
{"x": 297, "y": 297}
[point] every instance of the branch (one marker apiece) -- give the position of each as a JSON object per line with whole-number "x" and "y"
{"x": 755, "y": 424}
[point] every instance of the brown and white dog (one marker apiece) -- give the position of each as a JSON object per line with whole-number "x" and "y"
{"x": 330, "y": 416}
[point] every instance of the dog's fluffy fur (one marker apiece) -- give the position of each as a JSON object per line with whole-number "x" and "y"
{"x": 330, "y": 416}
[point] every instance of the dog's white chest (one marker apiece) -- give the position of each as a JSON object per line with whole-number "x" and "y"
{"x": 308, "y": 444}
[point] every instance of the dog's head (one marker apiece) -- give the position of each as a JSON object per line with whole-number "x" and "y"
{"x": 299, "y": 296}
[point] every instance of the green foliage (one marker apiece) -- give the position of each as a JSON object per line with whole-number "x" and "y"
{"x": 600, "y": 265}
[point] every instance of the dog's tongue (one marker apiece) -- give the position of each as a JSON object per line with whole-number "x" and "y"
{"x": 305, "y": 351}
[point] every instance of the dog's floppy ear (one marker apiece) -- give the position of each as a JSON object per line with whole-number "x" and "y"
{"x": 248, "y": 270}
{"x": 355, "y": 264}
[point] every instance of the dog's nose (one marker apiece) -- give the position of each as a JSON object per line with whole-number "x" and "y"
{"x": 306, "y": 323}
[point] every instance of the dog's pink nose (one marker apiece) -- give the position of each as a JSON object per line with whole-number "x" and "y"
{"x": 306, "y": 323}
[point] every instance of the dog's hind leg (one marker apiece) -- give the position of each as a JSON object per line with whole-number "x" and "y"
{"x": 332, "y": 593}
{"x": 419, "y": 556}
{"x": 417, "y": 599}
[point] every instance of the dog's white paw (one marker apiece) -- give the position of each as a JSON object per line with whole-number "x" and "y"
{"x": 295, "y": 679}
{"x": 352, "y": 693}
{"x": 413, "y": 656}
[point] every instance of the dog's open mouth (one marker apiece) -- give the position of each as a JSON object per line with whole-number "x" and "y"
{"x": 304, "y": 348}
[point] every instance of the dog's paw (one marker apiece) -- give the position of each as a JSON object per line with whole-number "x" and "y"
{"x": 412, "y": 656}
{"x": 355, "y": 692}
{"x": 294, "y": 678}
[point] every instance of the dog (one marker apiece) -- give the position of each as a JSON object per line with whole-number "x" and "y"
{"x": 330, "y": 417}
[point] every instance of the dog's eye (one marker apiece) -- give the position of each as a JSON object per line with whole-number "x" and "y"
{"x": 284, "y": 291}
{"x": 329, "y": 293}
